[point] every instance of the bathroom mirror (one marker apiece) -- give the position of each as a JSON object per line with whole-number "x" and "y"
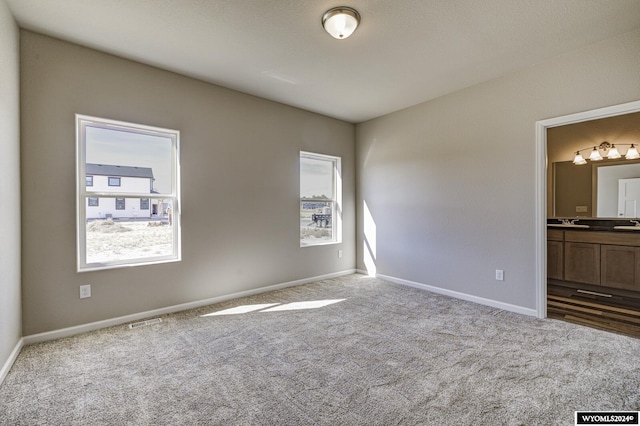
{"x": 592, "y": 190}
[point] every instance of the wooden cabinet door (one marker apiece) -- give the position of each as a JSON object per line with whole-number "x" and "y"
{"x": 582, "y": 262}
{"x": 620, "y": 267}
{"x": 555, "y": 260}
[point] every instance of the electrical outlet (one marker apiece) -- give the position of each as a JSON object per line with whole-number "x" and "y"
{"x": 85, "y": 291}
{"x": 339, "y": 253}
{"x": 499, "y": 275}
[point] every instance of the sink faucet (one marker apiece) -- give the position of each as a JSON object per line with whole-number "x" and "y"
{"x": 636, "y": 222}
{"x": 573, "y": 222}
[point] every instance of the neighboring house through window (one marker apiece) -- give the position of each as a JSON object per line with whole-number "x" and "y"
{"x": 130, "y": 179}
{"x": 130, "y": 175}
{"x": 320, "y": 199}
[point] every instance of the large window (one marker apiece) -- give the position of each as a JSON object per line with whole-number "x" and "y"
{"x": 128, "y": 185}
{"x": 320, "y": 199}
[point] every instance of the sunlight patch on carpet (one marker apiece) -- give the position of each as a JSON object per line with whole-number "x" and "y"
{"x": 313, "y": 304}
{"x": 241, "y": 309}
{"x": 275, "y": 307}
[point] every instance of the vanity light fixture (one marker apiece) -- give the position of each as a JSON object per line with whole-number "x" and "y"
{"x": 611, "y": 152}
{"x": 595, "y": 155}
{"x": 632, "y": 153}
{"x": 340, "y": 22}
{"x": 579, "y": 159}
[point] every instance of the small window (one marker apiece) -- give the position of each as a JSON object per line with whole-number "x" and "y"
{"x": 320, "y": 199}
{"x": 128, "y": 213}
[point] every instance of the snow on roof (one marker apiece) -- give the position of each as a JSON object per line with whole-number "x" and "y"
{"x": 124, "y": 171}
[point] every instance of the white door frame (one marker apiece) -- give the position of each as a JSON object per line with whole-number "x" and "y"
{"x": 541, "y": 186}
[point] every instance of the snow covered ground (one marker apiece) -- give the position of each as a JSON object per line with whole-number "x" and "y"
{"x": 109, "y": 241}
{"x": 311, "y": 234}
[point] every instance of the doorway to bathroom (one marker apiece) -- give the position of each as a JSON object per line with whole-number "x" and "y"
{"x": 544, "y": 193}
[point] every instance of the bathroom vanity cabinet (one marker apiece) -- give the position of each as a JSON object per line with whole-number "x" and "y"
{"x": 593, "y": 277}
{"x": 555, "y": 254}
{"x": 608, "y": 259}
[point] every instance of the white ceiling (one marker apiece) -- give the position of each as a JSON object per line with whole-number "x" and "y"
{"x": 404, "y": 52}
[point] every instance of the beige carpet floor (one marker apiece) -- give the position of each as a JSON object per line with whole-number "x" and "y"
{"x": 349, "y": 351}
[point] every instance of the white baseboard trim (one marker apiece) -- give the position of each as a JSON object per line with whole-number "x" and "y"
{"x": 70, "y": 331}
{"x": 12, "y": 358}
{"x": 457, "y": 295}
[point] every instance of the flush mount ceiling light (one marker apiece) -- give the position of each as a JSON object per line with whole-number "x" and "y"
{"x": 340, "y": 22}
{"x": 611, "y": 153}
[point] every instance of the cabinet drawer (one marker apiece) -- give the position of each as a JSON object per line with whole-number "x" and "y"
{"x": 555, "y": 235}
{"x": 619, "y": 238}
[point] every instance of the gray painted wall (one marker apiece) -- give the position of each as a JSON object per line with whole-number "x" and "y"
{"x": 240, "y": 186}
{"x": 450, "y": 183}
{"x": 10, "y": 302}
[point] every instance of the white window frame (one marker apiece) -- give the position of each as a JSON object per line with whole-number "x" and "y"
{"x": 82, "y": 195}
{"x": 336, "y": 219}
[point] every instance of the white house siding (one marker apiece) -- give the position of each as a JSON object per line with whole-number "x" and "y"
{"x": 107, "y": 206}
{"x": 127, "y": 184}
